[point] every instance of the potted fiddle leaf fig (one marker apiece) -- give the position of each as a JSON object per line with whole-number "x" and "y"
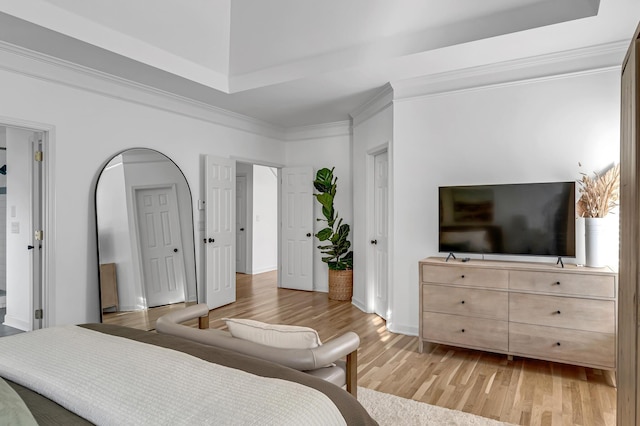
{"x": 334, "y": 237}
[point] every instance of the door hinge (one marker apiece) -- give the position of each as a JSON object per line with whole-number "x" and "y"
{"x": 38, "y": 156}
{"x": 38, "y": 314}
{"x": 39, "y": 235}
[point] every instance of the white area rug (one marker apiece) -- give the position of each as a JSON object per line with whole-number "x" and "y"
{"x": 391, "y": 410}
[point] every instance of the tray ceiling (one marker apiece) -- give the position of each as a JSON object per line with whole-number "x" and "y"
{"x": 295, "y": 63}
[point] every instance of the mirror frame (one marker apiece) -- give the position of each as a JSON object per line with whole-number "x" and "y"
{"x": 192, "y": 220}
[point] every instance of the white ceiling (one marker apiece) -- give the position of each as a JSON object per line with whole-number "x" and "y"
{"x": 295, "y": 63}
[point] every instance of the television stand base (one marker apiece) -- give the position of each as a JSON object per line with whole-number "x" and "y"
{"x": 560, "y": 261}
{"x": 450, "y": 255}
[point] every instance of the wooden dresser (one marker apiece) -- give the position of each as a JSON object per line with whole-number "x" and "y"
{"x": 534, "y": 310}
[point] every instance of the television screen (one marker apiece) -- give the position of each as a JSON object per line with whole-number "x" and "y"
{"x": 535, "y": 219}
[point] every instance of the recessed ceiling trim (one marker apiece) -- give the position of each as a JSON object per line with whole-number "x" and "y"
{"x": 377, "y": 52}
{"x": 318, "y": 131}
{"x": 46, "y": 15}
{"x": 43, "y": 67}
{"x": 588, "y": 59}
{"x": 380, "y": 101}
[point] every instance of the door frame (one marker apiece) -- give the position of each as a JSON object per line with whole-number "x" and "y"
{"x": 278, "y": 167}
{"x": 47, "y": 190}
{"x": 370, "y": 227}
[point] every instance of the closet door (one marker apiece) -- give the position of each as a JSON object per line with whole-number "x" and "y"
{"x": 220, "y": 236}
{"x": 628, "y": 407}
{"x": 296, "y": 271}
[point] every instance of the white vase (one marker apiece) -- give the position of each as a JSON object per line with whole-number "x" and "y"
{"x": 594, "y": 238}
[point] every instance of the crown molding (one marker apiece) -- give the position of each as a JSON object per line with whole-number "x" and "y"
{"x": 380, "y": 101}
{"x": 318, "y": 131}
{"x": 554, "y": 65}
{"x": 44, "y": 67}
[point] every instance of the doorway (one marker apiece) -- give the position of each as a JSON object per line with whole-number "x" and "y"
{"x": 23, "y": 202}
{"x": 256, "y": 218}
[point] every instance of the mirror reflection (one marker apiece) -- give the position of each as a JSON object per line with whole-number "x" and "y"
{"x": 145, "y": 239}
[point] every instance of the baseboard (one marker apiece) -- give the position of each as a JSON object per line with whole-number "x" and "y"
{"x": 359, "y": 304}
{"x": 261, "y": 270}
{"x": 16, "y": 323}
{"x": 402, "y": 329}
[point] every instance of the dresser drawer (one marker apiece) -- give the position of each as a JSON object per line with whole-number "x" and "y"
{"x": 465, "y": 301}
{"x": 557, "y": 344}
{"x": 563, "y": 283}
{"x": 461, "y": 275}
{"x": 465, "y": 331}
{"x": 564, "y": 312}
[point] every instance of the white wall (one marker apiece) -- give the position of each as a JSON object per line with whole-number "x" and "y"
{"x": 265, "y": 219}
{"x": 90, "y": 127}
{"x": 531, "y": 131}
{"x": 330, "y": 151}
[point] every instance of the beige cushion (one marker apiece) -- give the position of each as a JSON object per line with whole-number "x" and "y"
{"x": 280, "y": 336}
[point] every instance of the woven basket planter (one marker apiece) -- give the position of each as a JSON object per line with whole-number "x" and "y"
{"x": 340, "y": 284}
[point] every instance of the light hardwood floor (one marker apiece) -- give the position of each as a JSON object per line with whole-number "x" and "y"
{"x": 522, "y": 391}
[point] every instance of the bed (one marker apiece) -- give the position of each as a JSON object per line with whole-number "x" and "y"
{"x": 108, "y": 374}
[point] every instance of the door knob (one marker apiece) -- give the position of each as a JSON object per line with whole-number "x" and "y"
{"x": 212, "y": 240}
{"x": 242, "y": 229}
{"x": 29, "y": 247}
{"x": 175, "y": 250}
{"x": 308, "y": 234}
{"x": 374, "y": 241}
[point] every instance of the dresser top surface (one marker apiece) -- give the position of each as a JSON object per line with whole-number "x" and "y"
{"x": 522, "y": 266}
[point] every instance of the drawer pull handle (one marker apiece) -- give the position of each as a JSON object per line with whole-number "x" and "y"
{"x": 462, "y": 302}
{"x": 557, "y": 343}
{"x": 462, "y": 276}
{"x": 557, "y": 283}
{"x": 558, "y": 312}
{"x": 463, "y": 330}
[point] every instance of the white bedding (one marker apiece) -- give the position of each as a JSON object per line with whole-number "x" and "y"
{"x": 112, "y": 380}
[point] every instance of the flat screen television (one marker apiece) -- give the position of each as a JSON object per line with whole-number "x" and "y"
{"x": 536, "y": 219}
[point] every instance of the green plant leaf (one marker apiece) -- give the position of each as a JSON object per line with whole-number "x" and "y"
{"x": 336, "y": 235}
{"x": 324, "y": 181}
{"x": 324, "y": 234}
{"x": 326, "y": 200}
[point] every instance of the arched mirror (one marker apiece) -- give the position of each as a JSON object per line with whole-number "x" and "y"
{"x": 145, "y": 230}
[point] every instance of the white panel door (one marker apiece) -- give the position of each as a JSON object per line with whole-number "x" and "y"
{"x": 160, "y": 245}
{"x": 220, "y": 238}
{"x": 297, "y": 228}
{"x": 241, "y": 224}
{"x": 379, "y": 241}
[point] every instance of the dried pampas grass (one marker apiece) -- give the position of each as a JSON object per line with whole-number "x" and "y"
{"x": 599, "y": 193}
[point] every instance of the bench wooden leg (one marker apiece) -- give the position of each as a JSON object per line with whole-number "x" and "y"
{"x": 352, "y": 373}
{"x": 203, "y": 322}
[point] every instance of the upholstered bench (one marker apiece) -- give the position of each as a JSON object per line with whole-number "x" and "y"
{"x": 320, "y": 360}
